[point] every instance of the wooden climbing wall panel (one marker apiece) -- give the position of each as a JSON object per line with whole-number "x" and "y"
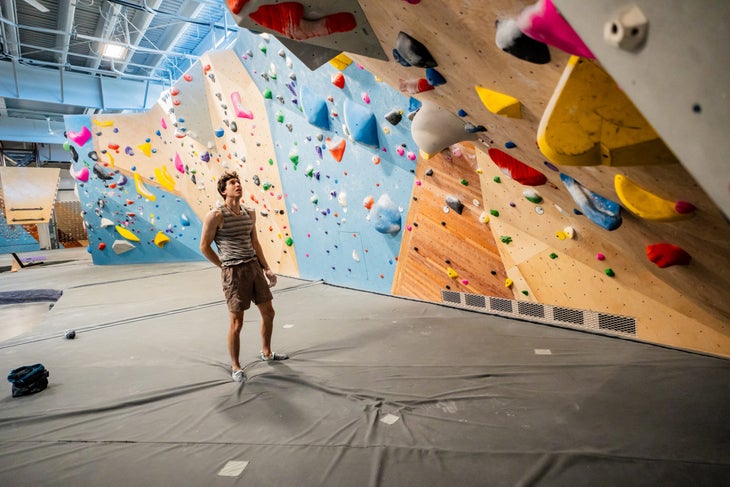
{"x": 439, "y": 240}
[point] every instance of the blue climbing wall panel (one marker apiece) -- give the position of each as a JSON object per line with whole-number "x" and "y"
{"x": 335, "y": 236}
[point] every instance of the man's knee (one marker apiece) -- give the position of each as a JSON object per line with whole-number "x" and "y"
{"x": 267, "y": 310}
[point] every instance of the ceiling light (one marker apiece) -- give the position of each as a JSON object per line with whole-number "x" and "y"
{"x": 114, "y": 51}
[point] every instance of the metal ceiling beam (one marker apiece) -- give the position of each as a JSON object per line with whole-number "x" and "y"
{"x": 11, "y": 37}
{"x": 104, "y": 32}
{"x": 188, "y": 9}
{"x": 140, "y": 24}
{"x": 66, "y": 13}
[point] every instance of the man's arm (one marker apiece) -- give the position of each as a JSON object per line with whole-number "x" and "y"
{"x": 210, "y": 224}
{"x": 260, "y": 252}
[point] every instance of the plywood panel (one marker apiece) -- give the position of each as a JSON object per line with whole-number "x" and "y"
{"x": 29, "y": 193}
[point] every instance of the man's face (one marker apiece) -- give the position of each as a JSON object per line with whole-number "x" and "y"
{"x": 233, "y": 187}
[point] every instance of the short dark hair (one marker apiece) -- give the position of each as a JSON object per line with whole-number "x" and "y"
{"x": 228, "y": 175}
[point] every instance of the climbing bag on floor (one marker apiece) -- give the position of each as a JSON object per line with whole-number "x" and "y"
{"x": 28, "y": 379}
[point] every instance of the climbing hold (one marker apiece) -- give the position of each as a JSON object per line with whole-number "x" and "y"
{"x": 141, "y": 189}
{"x": 315, "y": 108}
{"x": 338, "y": 79}
{"x": 394, "y": 117}
{"x": 336, "y": 149}
{"x": 451, "y": 273}
{"x": 101, "y": 246}
{"x": 81, "y": 175}
{"x": 79, "y": 138}
{"x": 434, "y": 78}
{"x": 532, "y": 196}
{"x": 184, "y": 221}
{"x": 146, "y": 149}
{"x": 494, "y": 212}
{"x": 472, "y": 129}
{"x": 267, "y": 94}
{"x": 600, "y": 256}
{"x": 455, "y": 204}
{"x": 647, "y": 205}
{"x": 461, "y": 113}
{"x": 362, "y": 124}
{"x": 105, "y": 222}
{"x": 385, "y": 216}
{"x": 121, "y": 246}
{"x": 70, "y": 334}
{"x": 601, "y": 211}
{"x": 609, "y": 272}
{"x": 510, "y": 145}
{"x": 666, "y": 255}
{"x": 544, "y": 23}
{"x": 553, "y": 255}
{"x": 497, "y": 179}
{"x": 341, "y": 61}
{"x": 238, "y": 108}
{"x": 464, "y": 182}
{"x": 499, "y": 103}
{"x": 414, "y": 52}
{"x": 516, "y": 169}
{"x": 368, "y": 202}
{"x": 127, "y": 234}
{"x": 512, "y": 40}
{"x": 434, "y": 128}
{"x": 101, "y": 173}
{"x": 179, "y": 164}
{"x": 161, "y": 239}
{"x": 287, "y": 18}
{"x": 506, "y": 239}
{"x": 289, "y": 241}
{"x": 163, "y": 177}
{"x": 569, "y": 232}
{"x": 561, "y": 235}
{"x": 508, "y": 282}
{"x": 414, "y": 85}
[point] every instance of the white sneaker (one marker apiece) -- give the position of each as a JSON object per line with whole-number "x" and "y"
{"x": 237, "y": 375}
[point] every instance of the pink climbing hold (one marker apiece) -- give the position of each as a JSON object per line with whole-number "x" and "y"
{"x": 179, "y": 164}
{"x": 400, "y": 150}
{"x": 684, "y": 207}
{"x": 82, "y": 175}
{"x": 411, "y": 156}
{"x": 366, "y": 98}
{"x": 600, "y": 256}
{"x": 80, "y": 138}
{"x": 163, "y": 123}
{"x": 238, "y": 108}
{"x": 543, "y": 22}
{"x": 187, "y": 77}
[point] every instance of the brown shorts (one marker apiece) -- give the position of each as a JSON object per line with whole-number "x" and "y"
{"x": 244, "y": 283}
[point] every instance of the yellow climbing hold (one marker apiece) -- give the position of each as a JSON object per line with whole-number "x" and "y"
{"x": 499, "y": 103}
{"x": 561, "y": 235}
{"x": 146, "y": 148}
{"x": 127, "y": 234}
{"x": 164, "y": 178}
{"x": 341, "y": 61}
{"x": 590, "y": 121}
{"x": 104, "y": 123}
{"x": 508, "y": 282}
{"x": 644, "y": 204}
{"x": 452, "y": 273}
{"x": 484, "y": 217}
{"x": 111, "y": 159}
{"x": 141, "y": 188}
{"x": 161, "y": 239}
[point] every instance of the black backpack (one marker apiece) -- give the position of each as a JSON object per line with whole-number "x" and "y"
{"x": 28, "y": 379}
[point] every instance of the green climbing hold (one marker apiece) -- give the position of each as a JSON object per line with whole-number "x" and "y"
{"x": 289, "y": 242}
{"x": 279, "y": 117}
{"x": 525, "y": 293}
{"x": 494, "y": 212}
{"x": 271, "y": 162}
{"x": 262, "y": 48}
{"x": 294, "y": 158}
{"x": 267, "y": 94}
{"x": 553, "y": 255}
{"x": 267, "y": 186}
{"x": 609, "y": 272}
{"x": 310, "y": 172}
{"x": 497, "y": 179}
{"x": 505, "y": 239}
{"x": 465, "y": 182}
{"x": 532, "y": 196}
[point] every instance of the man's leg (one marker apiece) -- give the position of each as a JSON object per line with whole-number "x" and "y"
{"x": 234, "y": 339}
{"x": 267, "y": 325}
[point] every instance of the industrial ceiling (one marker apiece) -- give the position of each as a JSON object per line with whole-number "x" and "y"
{"x": 53, "y": 60}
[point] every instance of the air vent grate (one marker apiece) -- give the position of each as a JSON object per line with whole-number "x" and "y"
{"x": 536, "y": 310}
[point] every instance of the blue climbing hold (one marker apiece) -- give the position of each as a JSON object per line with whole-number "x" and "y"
{"x": 385, "y": 216}
{"x": 362, "y": 124}
{"x": 601, "y": 211}
{"x": 434, "y": 78}
{"x": 315, "y": 109}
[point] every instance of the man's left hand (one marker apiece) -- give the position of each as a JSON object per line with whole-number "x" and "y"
{"x": 271, "y": 277}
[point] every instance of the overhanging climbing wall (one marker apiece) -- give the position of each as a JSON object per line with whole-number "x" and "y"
{"x": 362, "y": 177}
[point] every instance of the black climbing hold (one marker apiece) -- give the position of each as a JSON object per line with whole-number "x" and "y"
{"x": 455, "y": 204}
{"x": 512, "y": 41}
{"x": 415, "y": 53}
{"x": 70, "y": 334}
{"x": 429, "y": 172}
{"x": 394, "y": 117}
{"x": 93, "y": 156}
{"x": 256, "y": 180}
{"x": 472, "y": 129}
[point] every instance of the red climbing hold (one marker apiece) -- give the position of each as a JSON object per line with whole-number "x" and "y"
{"x": 236, "y": 5}
{"x": 287, "y": 18}
{"x": 516, "y": 169}
{"x": 338, "y": 79}
{"x": 336, "y": 149}
{"x": 665, "y": 255}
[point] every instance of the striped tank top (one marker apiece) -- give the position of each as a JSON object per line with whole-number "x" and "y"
{"x": 233, "y": 238}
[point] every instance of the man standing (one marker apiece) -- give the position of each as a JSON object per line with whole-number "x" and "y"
{"x": 244, "y": 270}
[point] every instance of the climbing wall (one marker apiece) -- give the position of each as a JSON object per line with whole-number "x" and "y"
{"x": 476, "y": 160}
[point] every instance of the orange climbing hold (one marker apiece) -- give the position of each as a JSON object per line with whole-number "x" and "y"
{"x": 338, "y": 79}
{"x": 336, "y": 149}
